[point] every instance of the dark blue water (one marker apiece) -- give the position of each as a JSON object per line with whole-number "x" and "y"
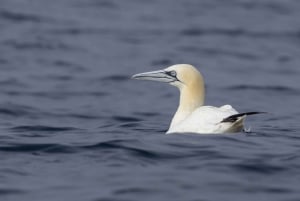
{"x": 74, "y": 126}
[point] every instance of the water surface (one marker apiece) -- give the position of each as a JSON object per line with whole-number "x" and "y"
{"x": 74, "y": 126}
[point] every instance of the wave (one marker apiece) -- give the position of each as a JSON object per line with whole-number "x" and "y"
{"x": 276, "y": 88}
{"x": 36, "y": 148}
{"x": 38, "y": 45}
{"x": 237, "y": 32}
{"x": 42, "y": 128}
{"x": 21, "y": 17}
{"x": 10, "y": 191}
{"x": 16, "y": 110}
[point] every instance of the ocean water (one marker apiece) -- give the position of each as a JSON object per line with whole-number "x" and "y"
{"x": 74, "y": 126}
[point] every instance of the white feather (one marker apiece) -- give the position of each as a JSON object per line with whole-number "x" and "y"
{"x": 207, "y": 119}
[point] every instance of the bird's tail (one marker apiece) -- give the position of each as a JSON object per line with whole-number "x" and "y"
{"x": 235, "y": 117}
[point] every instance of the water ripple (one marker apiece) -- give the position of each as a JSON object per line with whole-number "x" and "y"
{"x": 21, "y": 17}
{"x": 125, "y": 119}
{"x": 18, "y": 110}
{"x": 259, "y": 167}
{"x": 42, "y": 128}
{"x": 36, "y": 148}
{"x": 38, "y": 45}
{"x": 103, "y": 4}
{"x": 76, "y": 31}
{"x": 264, "y": 88}
{"x": 237, "y": 33}
{"x": 116, "y": 78}
{"x": 218, "y": 51}
{"x": 122, "y": 145}
{"x": 56, "y": 94}
{"x": 10, "y": 191}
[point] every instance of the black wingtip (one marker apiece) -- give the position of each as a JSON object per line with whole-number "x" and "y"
{"x": 235, "y": 117}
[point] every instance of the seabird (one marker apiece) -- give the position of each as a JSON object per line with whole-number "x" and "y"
{"x": 192, "y": 116}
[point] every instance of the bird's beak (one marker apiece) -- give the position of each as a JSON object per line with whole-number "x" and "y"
{"x": 159, "y": 75}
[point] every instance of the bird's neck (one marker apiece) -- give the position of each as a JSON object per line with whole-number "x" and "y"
{"x": 191, "y": 98}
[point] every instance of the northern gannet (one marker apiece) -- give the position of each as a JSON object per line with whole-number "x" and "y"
{"x": 192, "y": 116}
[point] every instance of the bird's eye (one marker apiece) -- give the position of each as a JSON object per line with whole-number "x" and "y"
{"x": 172, "y": 73}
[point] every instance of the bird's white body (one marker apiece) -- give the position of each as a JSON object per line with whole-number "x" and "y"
{"x": 207, "y": 120}
{"x": 192, "y": 116}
